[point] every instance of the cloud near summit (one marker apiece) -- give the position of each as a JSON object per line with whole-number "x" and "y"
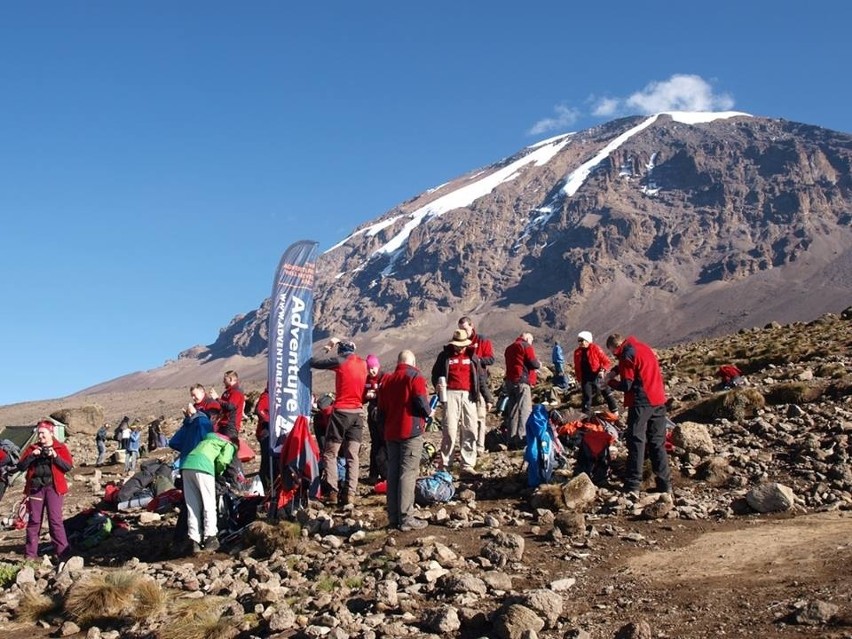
{"x": 681, "y": 92}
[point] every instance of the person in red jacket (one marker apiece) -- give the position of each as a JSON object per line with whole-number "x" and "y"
{"x": 404, "y": 408}
{"x": 459, "y": 368}
{"x": 45, "y": 462}
{"x": 590, "y": 367}
{"x": 346, "y": 426}
{"x": 639, "y": 376}
{"x": 521, "y": 367}
{"x": 378, "y": 451}
{"x": 233, "y": 403}
{"x": 483, "y": 349}
{"x": 203, "y": 402}
{"x": 261, "y": 409}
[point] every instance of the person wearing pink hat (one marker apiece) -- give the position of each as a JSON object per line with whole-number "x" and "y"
{"x": 378, "y": 449}
{"x": 45, "y": 463}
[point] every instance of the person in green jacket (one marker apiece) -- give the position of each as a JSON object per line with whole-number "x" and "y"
{"x": 199, "y": 470}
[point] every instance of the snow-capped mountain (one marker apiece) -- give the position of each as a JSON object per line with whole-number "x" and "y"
{"x": 672, "y": 226}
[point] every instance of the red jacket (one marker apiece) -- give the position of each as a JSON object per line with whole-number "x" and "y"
{"x": 483, "y": 349}
{"x": 63, "y": 458}
{"x": 373, "y": 383}
{"x": 521, "y": 362}
{"x": 261, "y": 409}
{"x": 598, "y": 361}
{"x": 233, "y": 403}
{"x": 404, "y": 403}
{"x": 209, "y": 407}
{"x": 640, "y": 376}
{"x": 350, "y": 378}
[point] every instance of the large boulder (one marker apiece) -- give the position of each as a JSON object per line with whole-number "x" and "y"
{"x": 693, "y": 438}
{"x": 82, "y": 420}
{"x": 579, "y": 493}
{"x": 771, "y": 497}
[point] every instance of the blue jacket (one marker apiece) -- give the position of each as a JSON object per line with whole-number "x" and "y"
{"x": 558, "y": 357}
{"x": 133, "y": 442}
{"x": 189, "y": 435}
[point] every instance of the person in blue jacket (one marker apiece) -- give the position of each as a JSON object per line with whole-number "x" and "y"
{"x": 196, "y": 425}
{"x": 131, "y": 450}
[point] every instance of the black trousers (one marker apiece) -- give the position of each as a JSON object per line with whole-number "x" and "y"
{"x": 646, "y": 425}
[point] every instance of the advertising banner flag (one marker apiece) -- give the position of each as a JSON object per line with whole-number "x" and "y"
{"x": 290, "y": 337}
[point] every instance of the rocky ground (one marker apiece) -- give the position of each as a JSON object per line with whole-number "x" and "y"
{"x": 754, "y": 541}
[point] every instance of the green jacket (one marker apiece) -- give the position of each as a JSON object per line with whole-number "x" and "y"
{"x": 211, "y": 456}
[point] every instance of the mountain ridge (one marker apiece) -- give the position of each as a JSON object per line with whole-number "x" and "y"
{"x": 672, "y": 230}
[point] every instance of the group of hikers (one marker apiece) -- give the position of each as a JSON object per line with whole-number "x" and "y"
{"x": 395, "y": 407}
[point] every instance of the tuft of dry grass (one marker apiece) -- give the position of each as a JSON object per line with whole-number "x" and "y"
{"x": 794, "y": 393}
{"x": 199, "y": 619}
{"x": 267, "y": 537}
{"x": 35, "y": 606}
{"x": 116, "y": 595}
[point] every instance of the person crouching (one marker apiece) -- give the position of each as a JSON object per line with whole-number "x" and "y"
{"x": 199, "y": 470}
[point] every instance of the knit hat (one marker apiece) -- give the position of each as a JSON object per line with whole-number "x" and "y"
{"x": 372, "y": 361}
{"x": 460, "y": 338}
{"x": 586, "y": 335}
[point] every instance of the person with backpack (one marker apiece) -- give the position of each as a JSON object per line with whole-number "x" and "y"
{"x": 100, "y": 443}
{"x": 521, "y": 375}
{"x": 45, "y": 462}
{"x": 346, "y": 425}
{"x": 590, "y": 366}
{"x": 404, "y": 407}
{"x": 639, "y": 377}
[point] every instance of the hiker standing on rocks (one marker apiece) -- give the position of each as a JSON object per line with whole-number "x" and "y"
{"x": 199, "y": 471}
{"x": 521, "y": 370}
{"x": 484, "y": 350}
{"x": 378, "y": 450}
{"x": 639, "y": 377}
{"x": 100, "y": 442}
{"x": 45, "y": 462}
{"x": 404, "y": 408}
{"x": 261, "y": 432}
{"x": 233, "y": 403}
{"x": 346, "y": 425}
{"x": 203, "y": 402}
{"x": 456, "y": 374}
{"x": 131, "y": 450}
{"x": 590, "y": 367}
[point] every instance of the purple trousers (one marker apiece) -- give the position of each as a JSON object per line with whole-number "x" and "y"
{"x": 40, "y": 500}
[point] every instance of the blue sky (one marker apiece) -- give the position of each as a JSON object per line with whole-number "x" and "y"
{"x": 156, "y": 158}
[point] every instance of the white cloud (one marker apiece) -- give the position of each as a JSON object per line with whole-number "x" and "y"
{"x": 565, "y": 117}
{"x": 679, "y": 93}
{"x": 605, "y": 107}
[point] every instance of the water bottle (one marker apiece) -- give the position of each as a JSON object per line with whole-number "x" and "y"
{"x": 502, "y": 403}
{"x": 433, "y": 404}
{"x": 442, "y": 389}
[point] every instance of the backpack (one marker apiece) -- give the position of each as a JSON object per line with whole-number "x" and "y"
{"x": 540, "y": 453}
{"x": 12, "y": 451}
{"x": 436, "y": 489}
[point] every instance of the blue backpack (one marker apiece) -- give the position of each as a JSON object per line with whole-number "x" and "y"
{"x": 437, "y": 488}
{"x": 540, "y": 453}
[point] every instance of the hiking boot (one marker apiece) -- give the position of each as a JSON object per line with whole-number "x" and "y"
{"x": 194, "y": 548}
{"x": 211, "y": 544}
{"x": 412, "y": 523}
{"x": 330, "y": 499}
{"x": 470, "y": 470}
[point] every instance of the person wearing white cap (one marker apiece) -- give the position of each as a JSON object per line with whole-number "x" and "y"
{"x": 590, "y": 366}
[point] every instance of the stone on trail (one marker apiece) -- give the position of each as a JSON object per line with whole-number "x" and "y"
{"x": 579, "y": 493}
{"x": 771, "y": 497}
{"x": 515, "y": 620}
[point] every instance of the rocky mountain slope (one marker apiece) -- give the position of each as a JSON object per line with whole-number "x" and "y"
{"x": 673, "y": 226}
